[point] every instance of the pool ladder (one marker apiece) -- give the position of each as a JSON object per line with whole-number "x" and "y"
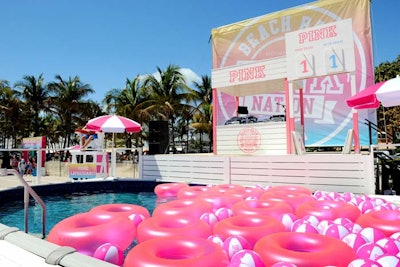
{"x": 28, "y": 191}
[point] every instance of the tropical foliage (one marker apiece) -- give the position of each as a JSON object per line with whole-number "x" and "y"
{"x": 388, "y": 118}
{"x": 56, "y": 109}
{"x": 33, "y": 108}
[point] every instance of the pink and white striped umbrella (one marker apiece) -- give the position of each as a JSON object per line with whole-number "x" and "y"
{"x": 113, "y": 124}
{"x": 387, "y": 93}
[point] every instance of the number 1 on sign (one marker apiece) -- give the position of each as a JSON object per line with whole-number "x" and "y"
{"x": 305, "y": 65}
{"x": 334, "y": 60}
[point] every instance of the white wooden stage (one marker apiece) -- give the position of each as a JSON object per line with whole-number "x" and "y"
{"x": 328, "y": 172}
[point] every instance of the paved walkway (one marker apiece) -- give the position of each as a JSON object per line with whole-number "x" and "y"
{"x": 10, "y": 181}
{"x": 56, "y": 173}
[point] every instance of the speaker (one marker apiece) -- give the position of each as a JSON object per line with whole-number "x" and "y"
{"x": 242, "y": 110}
{"x": 158, "y": 137}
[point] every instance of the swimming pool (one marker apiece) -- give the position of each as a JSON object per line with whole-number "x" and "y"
{"x": 63, "y": 201}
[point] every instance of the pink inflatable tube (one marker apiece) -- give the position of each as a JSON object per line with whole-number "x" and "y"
{"x": 250, "y": 227}
{"x": 385, "y": 220}
{"x": 291, "y": 197}
{"x": 177, "y": 251}
{"x": 261, "y": 207}
{"x": 290, "y": 188}
{"x": 191, "y": 192}
{"x": 88, "y": 231}
{"x": 254, "y": 192}
{"x": 184, "y": 207}
{"x": 167, "y": 226}
{"x": 128, "y": 210}
{"x": 304, "y": 250}
{"x": 328, "y": 210}
{"x": 220, "y": 200}
{"x": 237, "y": 190}
{"x": 168, "y": 190}
{"x": 227, "y": 187}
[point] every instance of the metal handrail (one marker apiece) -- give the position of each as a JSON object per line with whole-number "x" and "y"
{"x": 28, "y": 191}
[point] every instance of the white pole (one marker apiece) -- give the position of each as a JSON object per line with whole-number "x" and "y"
{"x": 38, "y": 166}
{"x": 384, "y": 124}
{"x": 113, "y": 158}
{"x": 140, "y": 163}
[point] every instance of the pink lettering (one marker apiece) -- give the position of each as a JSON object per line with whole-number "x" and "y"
{"x": 233, "y": 75}
{"x": 318, "y": 34}
{"x": 245, "y": 74}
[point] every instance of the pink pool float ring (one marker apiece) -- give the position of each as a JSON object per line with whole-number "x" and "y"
{"x": 227, "y": 188}
{"x": 220, "y": 200}
{"x": 251, "y": 227}
{"x": 254, "y": 192}
{"x": 386, "y": 221}
{"x": 183, "y": 207}
{"x": 304, "y": 250}
{"x": 230, "y": 189}
{"x": 261, "y": 207}
{"x": 328, "y": 210}
{"x": 86, "y": 232}
{"x": 192, "y": 191}
{"x": 135, "y": 213}
{"x": 169, "y": 190}
{"x": 290, "y": 188}
{"x": 167, "y": 226}
{"x": 177, "y": 251}
{"x": 291, "y": 197}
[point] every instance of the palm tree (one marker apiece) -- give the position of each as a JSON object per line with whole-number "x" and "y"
{"x": 184, "y": 122}
{"x": 388, "y": 118}
{"x": 35, "y": 94}
{"x": 12, "y": 119}
{"x": 89, "y": 109}
{"x": 68, "y": 103}
{"x": 202, "y": 122}
{"x": 204, "y": 90}
{"x": 169, "y": 95}
{"x": 54, "y": 133}
{"x": 202, "y": 119}
{"x": 127, "y": 102}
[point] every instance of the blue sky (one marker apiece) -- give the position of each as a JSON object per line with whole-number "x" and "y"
{"x": 105, "y": 41}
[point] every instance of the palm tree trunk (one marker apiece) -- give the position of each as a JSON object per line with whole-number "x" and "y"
{"x": 201, "y": 142}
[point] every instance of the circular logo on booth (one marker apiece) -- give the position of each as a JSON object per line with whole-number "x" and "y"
{"x": 249, "y": 140}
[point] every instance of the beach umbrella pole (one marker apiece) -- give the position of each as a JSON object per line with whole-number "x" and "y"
{"x": 113, "y": 158}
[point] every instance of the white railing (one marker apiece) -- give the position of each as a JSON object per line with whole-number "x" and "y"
{"x": 28, "y": 191}
{"x": 327, "y": 172}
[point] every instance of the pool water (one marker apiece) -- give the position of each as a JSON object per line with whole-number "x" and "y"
{"x": 64, "y": 206}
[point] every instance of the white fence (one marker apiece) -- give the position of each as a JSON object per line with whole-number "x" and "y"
{"x": 328, "y": 172}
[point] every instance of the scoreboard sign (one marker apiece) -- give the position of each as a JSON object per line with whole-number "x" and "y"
{"x": 319, "y": 51}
